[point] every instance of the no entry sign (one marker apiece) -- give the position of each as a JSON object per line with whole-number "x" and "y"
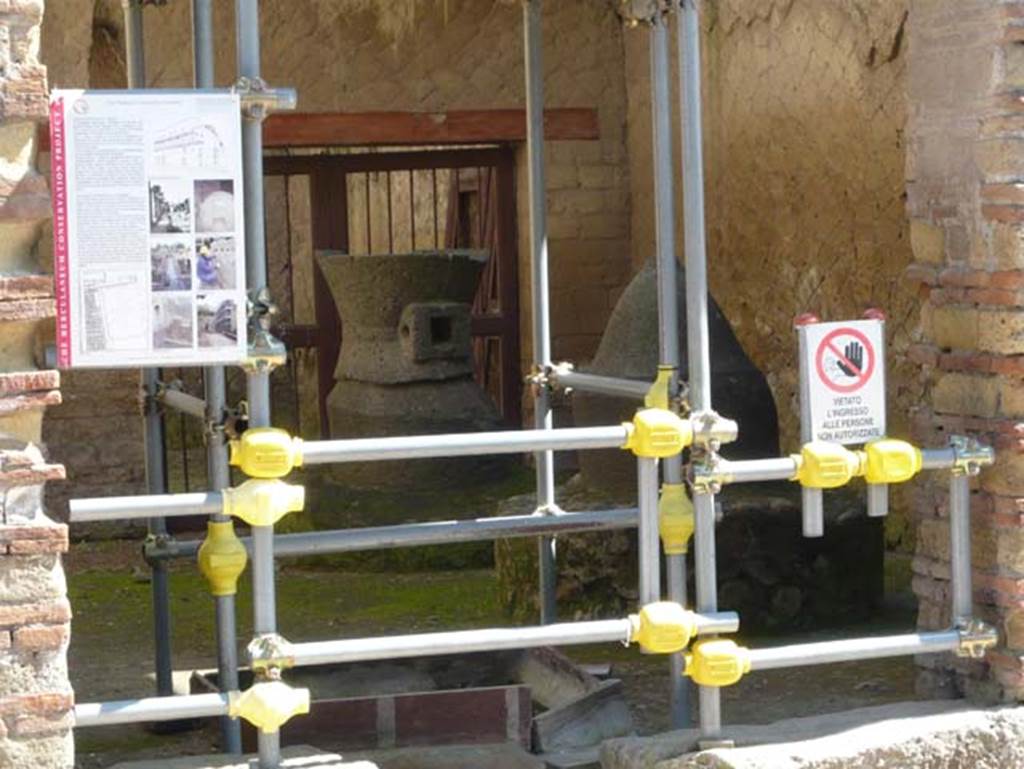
{"x": 842, "y": 373}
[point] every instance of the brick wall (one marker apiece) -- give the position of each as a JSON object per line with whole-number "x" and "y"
{"x": 965, "y": 170}
{"x": 35, "y": 695}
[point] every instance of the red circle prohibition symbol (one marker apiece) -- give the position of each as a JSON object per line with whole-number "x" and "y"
{"x": 828, "y": 344}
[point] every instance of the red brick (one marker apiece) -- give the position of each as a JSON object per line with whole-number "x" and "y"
{"x": 29, "y": 381}
{"x": 27, "y": 309}
{"x": 28, "y": 476}
{"x": 996, "y": 213}
{"x": 1012, "y": 194}
{"x": 40, "y": 726}
{"x": 26, "y": 286}
{"x": 16, "y": 403}
{"x": 923, "y": 354}
{"x": 957, "y": 276}
{"x": 40, "y": 637}
{"x": 34, "y": 547}
{"x": 57, "y": 532}
{"x": 49, "y": 613}
{"x": 36, "y": 704}
{"x": 921, "y": 273}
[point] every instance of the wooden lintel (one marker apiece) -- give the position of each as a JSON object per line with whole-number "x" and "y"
{"x": 329, "y": 129}
{"x": 354, "y": 129}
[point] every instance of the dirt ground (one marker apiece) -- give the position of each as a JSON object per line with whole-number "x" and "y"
{"x": 111, "y": 650}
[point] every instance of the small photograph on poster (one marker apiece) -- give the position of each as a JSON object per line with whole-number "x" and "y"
{"x": 216, "y": 262}
{"x": 170, "y": 206}
{"x": 172, "y": 322}
{"x": 215, "y": 205}
{"x": 170, "y": 265}
{"x": 216, "y": 320}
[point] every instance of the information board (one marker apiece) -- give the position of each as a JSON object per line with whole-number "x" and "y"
{"x": 149, "y": 233}
{"x": 842, "y": 372}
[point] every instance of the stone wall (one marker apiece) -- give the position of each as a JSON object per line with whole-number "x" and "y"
{"x": 965, "y": 168}
{"x": 35, "y": 695}
{"x": 804, "y": 109}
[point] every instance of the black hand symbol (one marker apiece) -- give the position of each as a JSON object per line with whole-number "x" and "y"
{"x": 854, "y": 363}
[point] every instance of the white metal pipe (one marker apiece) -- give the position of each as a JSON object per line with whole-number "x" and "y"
{"x": 848, "y": 650}
{"x": 202, "y": 48}
{"x": 540, "y": 299}
{"x": 960, "y": 547}
{"x": 757, "y": 470}
{"x": 938, "y": 459}
{"x": 878, "y": 500}
{"x": 150, "y": 709}
{"x": 426, "y": 533}
{"x": 247, "y": 20}
{"x": 134, "y": 43}
{"x": 491, "y": 639}
{"x": 462, "y": 444}
{"x": 145, "y": 506}
{"x": 183, "y": 402}
{"x": 600, "y": 385}
{"x": 649, "y": 547}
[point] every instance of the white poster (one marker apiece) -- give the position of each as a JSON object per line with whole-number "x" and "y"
{"x": 149, "y": 236}
{"x": 844, "y": 367}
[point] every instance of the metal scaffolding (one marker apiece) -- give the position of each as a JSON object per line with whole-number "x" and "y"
{"x": 677, "y": 415}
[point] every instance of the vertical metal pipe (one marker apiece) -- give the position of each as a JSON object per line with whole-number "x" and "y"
{"x": 539, "y": 295}
{"x": 153, "y": 422}
{"x": 134, "y": 43}
{"x": 878, "y": 500}
{"x": 264, "y": 600}
{"x": 668, "y": 309}
{"x": 647, "y": 530}
{"x": 697, "y": 337}
{"x": 960, "y": 546}
{"x": 214, "y": 391}
{"x": 812, "y": 501}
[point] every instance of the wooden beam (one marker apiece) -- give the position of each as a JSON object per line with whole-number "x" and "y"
{"x": 482, "y": 126}
{"x": 327, "y": 129}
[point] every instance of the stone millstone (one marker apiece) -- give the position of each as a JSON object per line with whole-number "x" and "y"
{"x": 629, "y": 349}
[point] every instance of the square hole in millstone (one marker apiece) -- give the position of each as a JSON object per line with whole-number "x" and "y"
{"x": 440, "y": 329}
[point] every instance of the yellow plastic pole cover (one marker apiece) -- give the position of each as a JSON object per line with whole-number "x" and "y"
{"x": 657, "y": 396}
{"x": 268, "y": 705}
{"x": 662, "y": 627}
{"x": 261, "y": 502}
{"x": 891, "y": 461}
{"x": 675, "y": 518}
{"x": 823, "y": 465}
{"x": 222, "y": 558}
{"x": 657, "y": 433}
{"x": 266, "y": 452}
{"x": 717, "y": 662}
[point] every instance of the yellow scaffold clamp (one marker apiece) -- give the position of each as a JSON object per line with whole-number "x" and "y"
{"x": 891, "y": 461}
{"x": 657, "y": 433}
{"x": 662, "y": 627}
{"x": 675, "y": 518}
{"x": 222, "y": 558}
{"x": 717, "y": 662}
{"x": 261, "y": 502}
{"x": 266, "y": 452}
{"x": 268, "y": 705}
{"x": 659, "y": 397}
{"x": 823, "y": 465}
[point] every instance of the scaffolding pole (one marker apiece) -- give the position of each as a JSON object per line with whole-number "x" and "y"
{"x": 153, "y": 421}
{"x": 668, "y": 315}
{"x": 422, "y": 534}
{"x": 258, "y": 377}
{"x": 544, "y": 460}
{"x": 697, "y": 337}
{"x": 215, "y": 397}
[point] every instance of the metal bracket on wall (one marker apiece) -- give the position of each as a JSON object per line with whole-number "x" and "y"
{"x": 976, "y": 637}
{"x": 970, "y": 455}
{"x": 266, "y": 352}
{"x": 259, "y": 99}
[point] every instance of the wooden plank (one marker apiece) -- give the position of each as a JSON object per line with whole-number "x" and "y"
{"x": 332, "y": 129}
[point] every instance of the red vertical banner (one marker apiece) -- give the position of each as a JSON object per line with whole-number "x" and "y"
{"x": 59, "y": 191}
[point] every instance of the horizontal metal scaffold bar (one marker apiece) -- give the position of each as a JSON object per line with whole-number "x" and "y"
{"x": 848, "y": 650}
{"x": 145, "y": 506}
{"x": 785, "y": 468}
{"x": 492, "y": 639}
{"x": 150, "y": 709}
{"x": 421, "y": 534}
{"x": 182, "y": 401}
{"x": 463, "y": 444}
{"x": 601, "y": 385}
